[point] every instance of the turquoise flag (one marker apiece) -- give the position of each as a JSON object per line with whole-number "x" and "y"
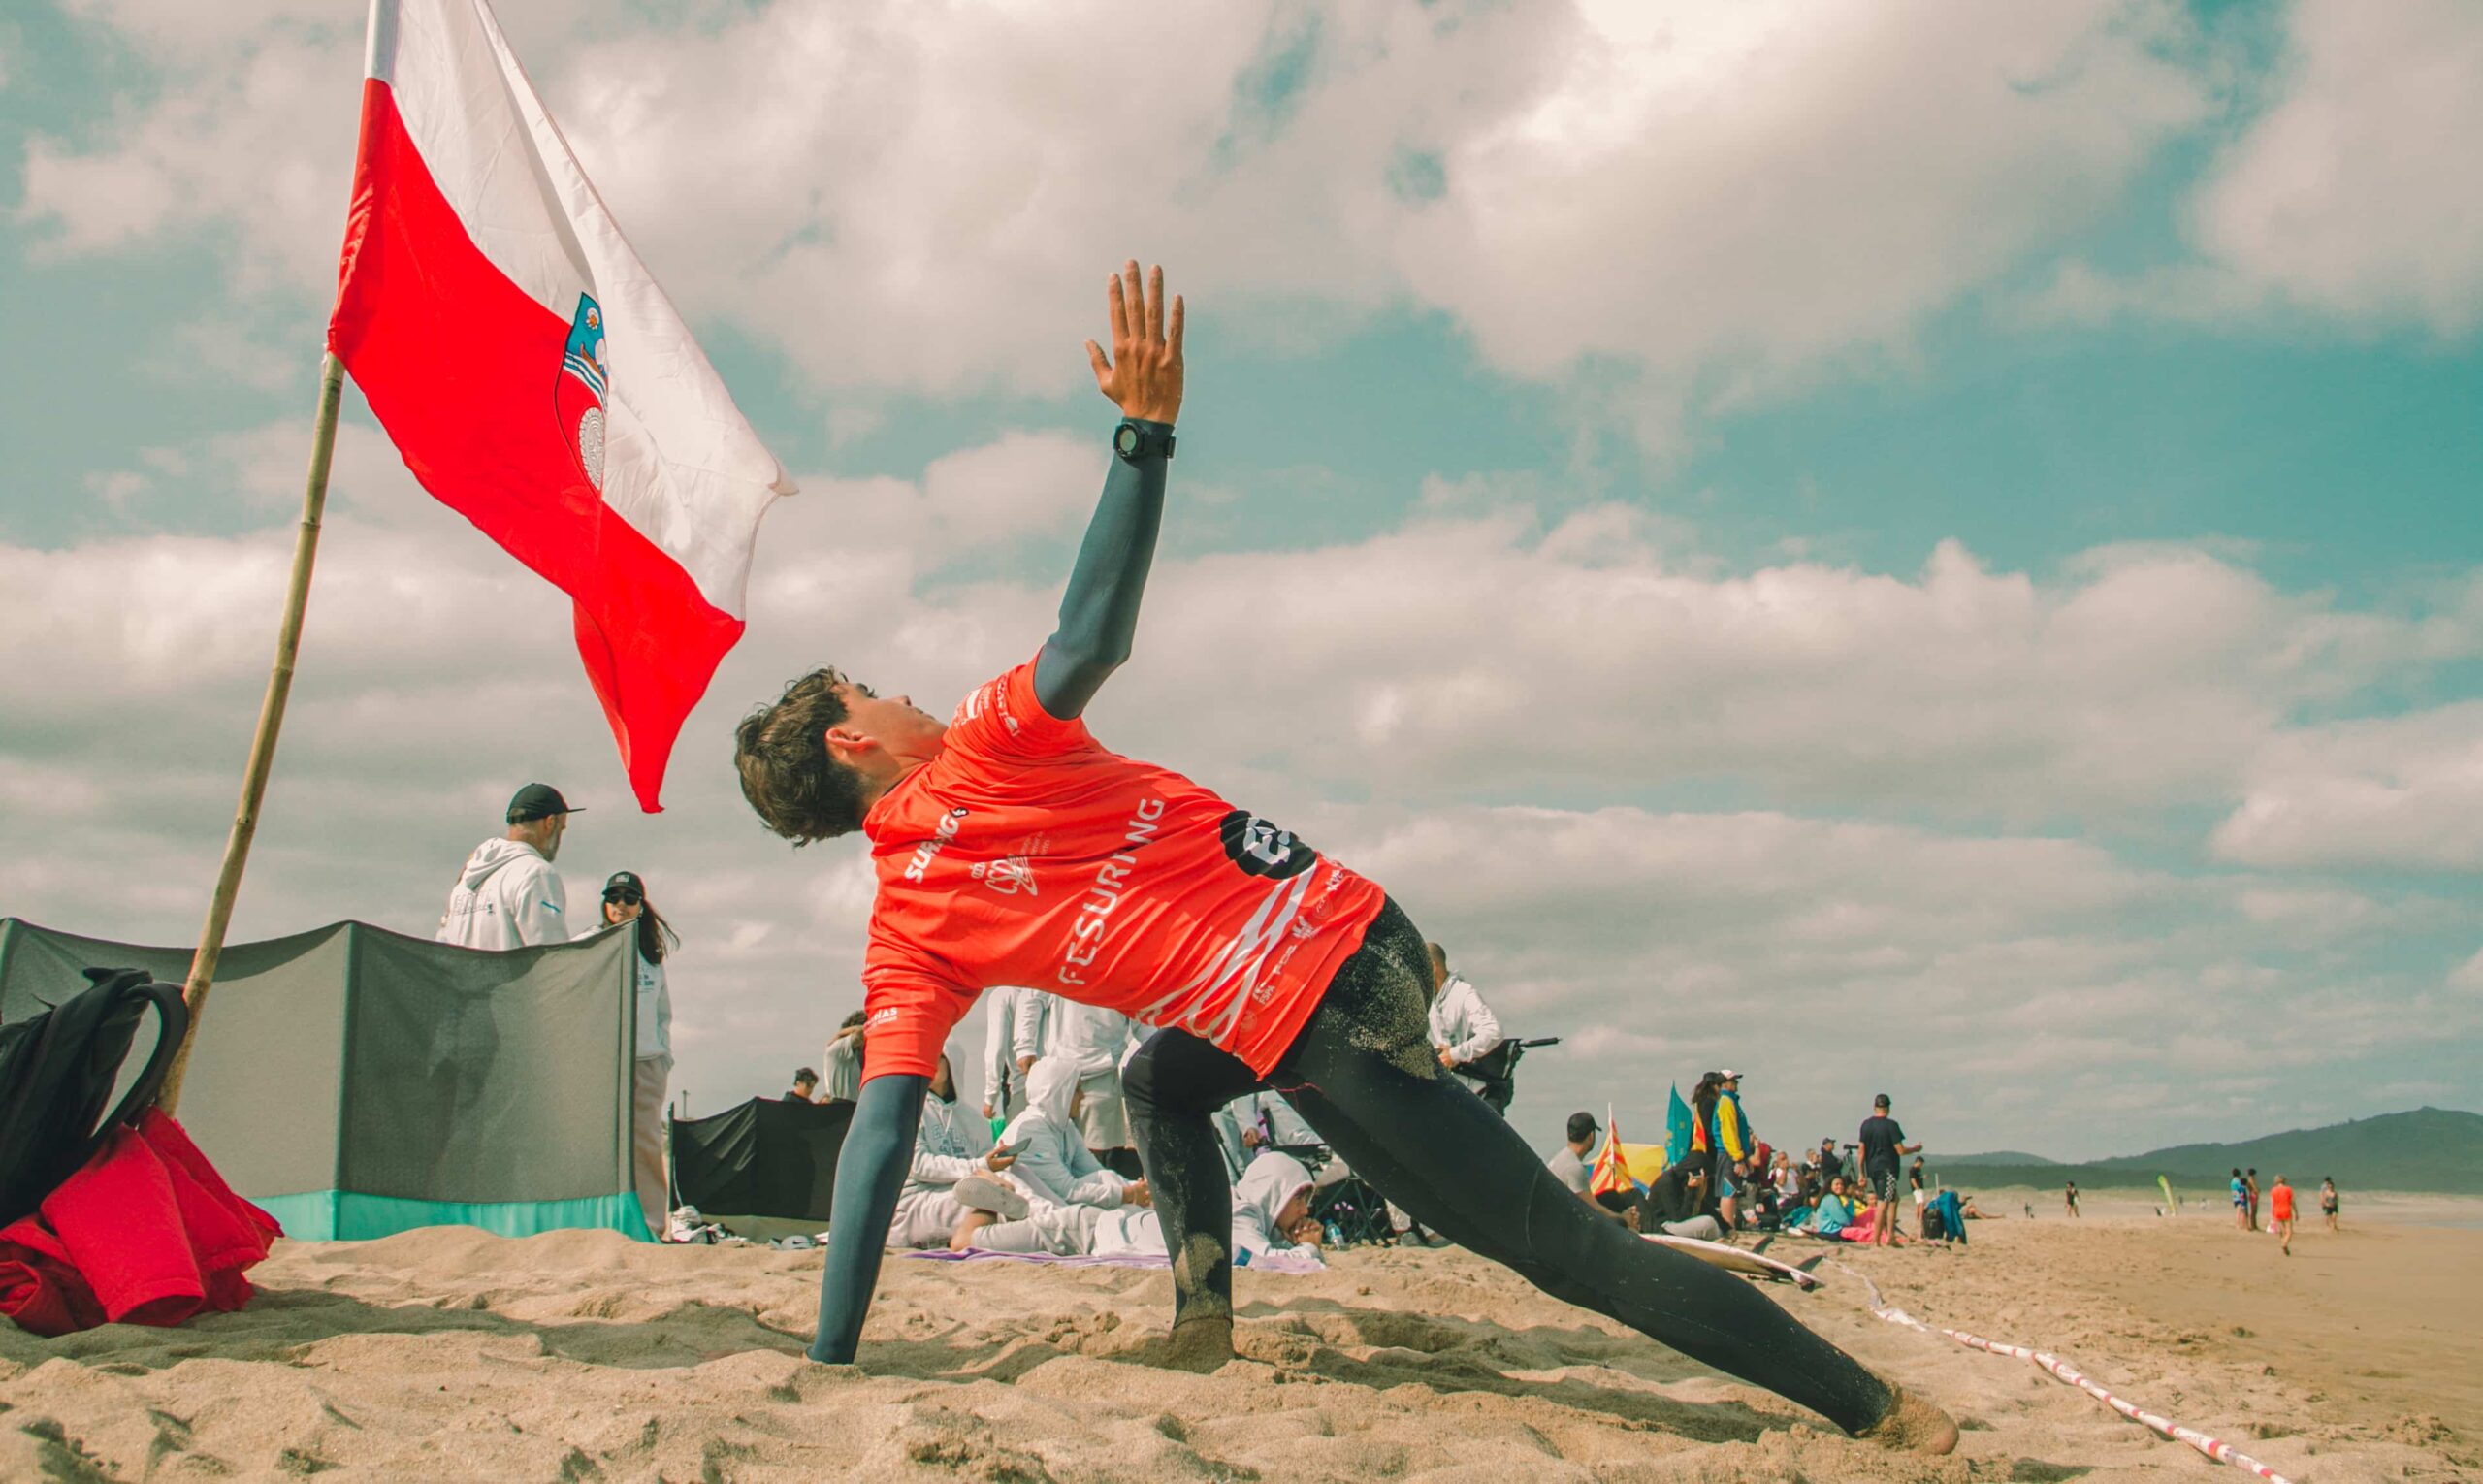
{"x": 1676, "y": 1128}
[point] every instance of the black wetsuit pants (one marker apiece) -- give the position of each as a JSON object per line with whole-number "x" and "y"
{"x": 1364, "y": 1074}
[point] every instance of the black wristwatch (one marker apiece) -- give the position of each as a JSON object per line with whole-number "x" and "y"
{"x": 1135, "y": 440}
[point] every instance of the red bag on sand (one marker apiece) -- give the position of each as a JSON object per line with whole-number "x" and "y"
{"x": 146, "y": 1233}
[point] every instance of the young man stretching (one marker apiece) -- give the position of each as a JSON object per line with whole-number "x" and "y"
{"x": 1011, "y": 848}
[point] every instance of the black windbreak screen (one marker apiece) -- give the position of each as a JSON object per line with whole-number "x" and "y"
{"x": 768, "y": 1157}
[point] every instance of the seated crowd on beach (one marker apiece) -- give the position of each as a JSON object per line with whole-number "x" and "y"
{"x": 1056, "y": 1170}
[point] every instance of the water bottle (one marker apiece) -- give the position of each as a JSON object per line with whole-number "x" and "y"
{"x": 1335, "y": 1234}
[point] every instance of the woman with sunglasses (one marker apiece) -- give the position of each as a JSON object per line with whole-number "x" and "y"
{"x": 624, "y": 900}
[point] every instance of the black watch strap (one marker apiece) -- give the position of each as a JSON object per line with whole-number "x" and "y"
{"x": 1134, "y": 439}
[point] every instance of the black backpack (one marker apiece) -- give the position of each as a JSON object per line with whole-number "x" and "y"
{"x": 58, "y": 1069}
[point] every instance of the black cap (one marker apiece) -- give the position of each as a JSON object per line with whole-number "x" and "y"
{"x": 624, "y": 881}
{"x": 1582, "y": 1125}
{"x": 1882, "y": 1101}
{"x": 536, "y": 801}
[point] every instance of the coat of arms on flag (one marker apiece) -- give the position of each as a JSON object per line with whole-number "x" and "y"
{"x": 578, "y": 399}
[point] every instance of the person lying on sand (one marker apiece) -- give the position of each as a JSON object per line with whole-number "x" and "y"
{"x": 1271, "y": 1213}
{"x": 1263, "y": 962}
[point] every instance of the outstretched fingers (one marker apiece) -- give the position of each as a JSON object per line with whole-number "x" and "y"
{"x": 1140, "y": 369}
{"x": 1116, "y": 306}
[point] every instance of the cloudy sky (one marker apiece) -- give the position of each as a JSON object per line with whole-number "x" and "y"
{"x": 1924, "y": 548}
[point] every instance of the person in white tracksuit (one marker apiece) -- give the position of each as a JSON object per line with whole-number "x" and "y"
{"x": 1096, "y": 1041}
{"x": 928, "y": 1210}
{"x": 507, "y": 895}
{"x": 1054, "y": 1167}
{"x": 1271, "y": 1213}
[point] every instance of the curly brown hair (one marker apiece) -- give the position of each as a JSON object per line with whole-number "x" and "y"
{"x": 781, "y": 750}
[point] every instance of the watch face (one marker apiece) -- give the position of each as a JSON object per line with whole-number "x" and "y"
{"x": 1125, "y": 438}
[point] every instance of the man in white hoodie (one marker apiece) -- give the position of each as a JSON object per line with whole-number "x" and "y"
{"x": 1464, "y": 1030}
{"x": 508, "y": 897}
{"x": 1096, "y": 1041}
{"x": 1054, "y": 1167}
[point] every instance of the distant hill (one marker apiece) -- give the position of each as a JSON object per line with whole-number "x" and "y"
{"x": 1999, "y": 1157}
{"x": 2433, "y": 1149}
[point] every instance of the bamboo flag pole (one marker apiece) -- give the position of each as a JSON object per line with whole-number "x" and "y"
{"x": 254, "y": 778}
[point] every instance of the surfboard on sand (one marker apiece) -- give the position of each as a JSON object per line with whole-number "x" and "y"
{"x": 1733, "y": 1259}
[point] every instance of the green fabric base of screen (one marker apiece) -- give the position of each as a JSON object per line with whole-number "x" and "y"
{"x": 342, "y": 1215}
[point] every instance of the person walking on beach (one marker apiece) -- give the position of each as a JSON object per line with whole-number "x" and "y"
{"x": 2251, "y": 1189}
{"x": 1883, "y": 1147}
{"x": 2328, "y": 1200}
{"x": 2069, "y": 1199}
{"x": 1913, "y": 1178}
{"x": 2280, "y": 1214}
{"x": 507, "y": 895}
{"x": 1262, "y": 963}
{"x": 2241, "y": 1201}
{"x": 624, "y": 900}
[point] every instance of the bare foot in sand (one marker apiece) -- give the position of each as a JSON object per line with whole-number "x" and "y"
{"x": 1915, "y": 1426}
{"x": 1200, "y": 1344}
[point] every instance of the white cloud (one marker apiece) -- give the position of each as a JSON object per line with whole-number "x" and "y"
{"x": 2359, "y": 194}
{"x": 1748, "y": 191}
{"x": 1386, "y": 698}
{"x": 1711, "y": 200}
{"x": 2403, "y": 792}
{"x": 2354, "y": 195}
{"x": 1454, "y": 656}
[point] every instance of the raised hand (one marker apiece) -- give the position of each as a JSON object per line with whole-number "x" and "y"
{"x": 1143, "y": 375}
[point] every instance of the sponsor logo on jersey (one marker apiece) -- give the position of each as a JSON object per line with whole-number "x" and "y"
{"x": 1009, "y": 875}
{"x": 1261, "y": 849}
{"x": 1113, "y": 878}
{"x": 930, "y": 850}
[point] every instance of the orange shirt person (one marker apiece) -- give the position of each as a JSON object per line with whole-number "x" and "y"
{"x": 1011, "y": 847}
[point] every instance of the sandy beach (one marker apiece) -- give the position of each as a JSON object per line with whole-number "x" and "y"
{"x": 448, "y": 1354}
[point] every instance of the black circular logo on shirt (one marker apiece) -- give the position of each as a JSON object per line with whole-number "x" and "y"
{"x": 1261, "y": 849}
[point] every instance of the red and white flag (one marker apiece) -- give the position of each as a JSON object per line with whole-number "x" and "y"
{"x": 535, "y": 378}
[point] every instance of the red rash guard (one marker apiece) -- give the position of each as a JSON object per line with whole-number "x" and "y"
{"x": 1026, "y": 854}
